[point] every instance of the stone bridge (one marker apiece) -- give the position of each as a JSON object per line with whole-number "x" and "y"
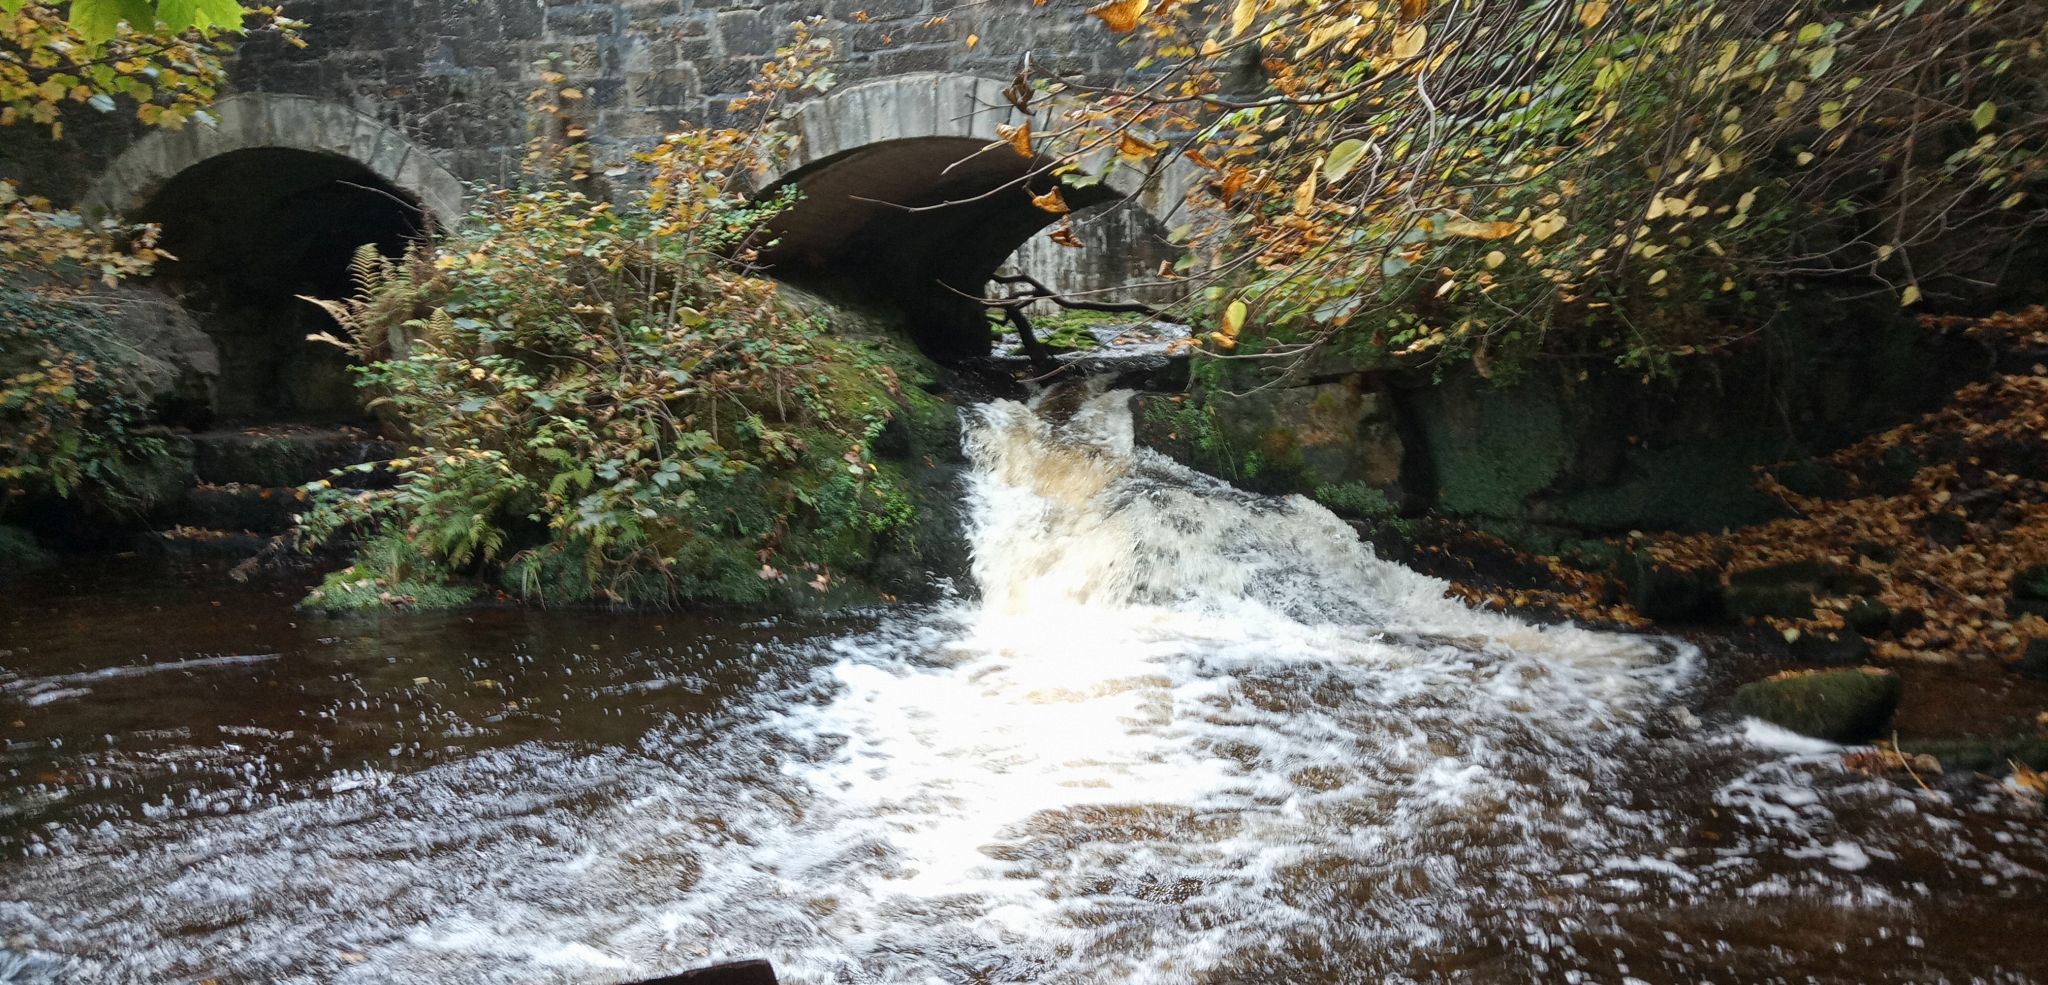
{"x": 372, "y": 131}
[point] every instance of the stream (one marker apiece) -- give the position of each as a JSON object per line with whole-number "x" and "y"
{"x": 1174, "y": 733}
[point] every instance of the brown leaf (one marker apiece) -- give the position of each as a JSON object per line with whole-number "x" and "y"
{"x": 1051, "y": 202}
{"x": 1018, "y": 137}
{"x": 1413, "y": 9}
{"x": 1131, "y": 146}
{"x": 1064, "y": 236}
{"x": 1119, "y": 15}
{"x": 1234, "y": 181}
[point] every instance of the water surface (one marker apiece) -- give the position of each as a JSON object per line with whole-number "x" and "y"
{"x": 1178, "y": 734}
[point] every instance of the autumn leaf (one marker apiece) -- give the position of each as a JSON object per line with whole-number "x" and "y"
{"x": 1481, "y": 230}
{"x": 972, "y": 40}
{"x": 1412, "y": 10}
{"x": 1910, "y": 296}
{"x": 1591, "y": 13}
{"x": 1305, "y": 195}
{"x": 1119, "y": 15}
{"x": 1064, "y": 236}
{"x": 1018, "y": 137}
{"x": 1129, "y": 145}
{"x": 1343, "y": 158}
{"x": 1546, "y": 226}
{"x": 1242, "y": 15}
{"x": 1051, "y": 202}
{"x": 1233, "y": 318}
{"x": 1408, "y": 41}
{"x": 1234, "y": 181}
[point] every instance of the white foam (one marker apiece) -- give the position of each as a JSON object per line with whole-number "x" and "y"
{"x": 1185, "y": 734}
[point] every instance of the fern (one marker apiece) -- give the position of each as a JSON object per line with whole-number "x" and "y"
{"x": 388, "y": 294}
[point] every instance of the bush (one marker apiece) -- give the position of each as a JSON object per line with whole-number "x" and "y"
{"x": 604, "y": 411}
{"x": 70, "y": 413}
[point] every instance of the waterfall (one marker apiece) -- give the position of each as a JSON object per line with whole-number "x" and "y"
{"x": 1179, "y": 734}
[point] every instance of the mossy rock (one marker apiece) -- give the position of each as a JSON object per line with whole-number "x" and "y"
{"x": 354, "y": 590}
{"x": 1846, "y": 706}
{"x": 19, "y": 552}
{"x": 1787, "y": 591}
{"x": 1670, "y": 594}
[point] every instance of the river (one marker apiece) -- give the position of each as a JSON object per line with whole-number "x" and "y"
{"x": 1175, "y": 733}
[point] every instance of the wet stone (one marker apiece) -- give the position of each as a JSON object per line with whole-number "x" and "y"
{"x": 1846, "y": 706}
{"x": 1787, "y": 591}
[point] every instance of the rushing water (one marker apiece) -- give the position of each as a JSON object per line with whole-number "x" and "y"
{"x": 1180, "y": 734}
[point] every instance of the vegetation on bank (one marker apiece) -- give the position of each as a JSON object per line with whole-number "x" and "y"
{"x": 72, "y": 420}
{"x": 1577, "y": 182}
{"x": 1925, "y": 542}
{"x": 604, "y": 409}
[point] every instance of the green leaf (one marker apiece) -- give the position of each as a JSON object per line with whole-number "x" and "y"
{"x": 1811, "y": 33}
{"x": 97, "y": 20}
{"x": 1821, "y": 62}
{"x": 1343, "y": 158}
{"x": 1987, "y": 111}
{"x": 205, "y": 15}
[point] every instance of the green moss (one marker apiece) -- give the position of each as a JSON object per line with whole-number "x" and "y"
{"x": 1355, "y": 499}
{"x": 19, "y": 551}
{"x": 1836, "y": 705}
{"x": 1494, "y": 448}
{"x": 353, "y": 589}
{"x": 1708, "y": 486}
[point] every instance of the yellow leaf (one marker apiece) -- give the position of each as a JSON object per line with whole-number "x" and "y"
{"x": 972, "y": 40}
{"x": 1119, "y": 15}
{"x": 1242, "y": 15}
{"x": 1481, "y": 230}
{"x": 1910, "y": 296}
{"x": 1128, "y": 145}
{"x": 1305, "y": 194}
{"x": 1495, "y": 259}
{"x": 1233, "y": 318}
{"x": 1591, "y": 13}
{"x": 572, "y": 94}
{"x": 1408, "y": 40}
{"x": 1546, "y": 226}
{"x": 1018, "y": 137}
{"x": 1051, "y": 202}
{"x": 1658, "y": 277}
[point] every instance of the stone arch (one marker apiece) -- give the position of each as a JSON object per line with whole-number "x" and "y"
{"x": 268, "y": 120}
{"x": 905, "y": 206}
{"x": 267, "y": 205}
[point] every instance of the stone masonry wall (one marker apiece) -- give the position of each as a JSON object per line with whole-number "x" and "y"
{"x": 454, "y": 74}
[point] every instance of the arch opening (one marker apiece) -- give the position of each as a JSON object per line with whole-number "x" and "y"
{"x": 911, "y": 202}
{"x": 915, "y": 227}
{"x": 253, "y": 229}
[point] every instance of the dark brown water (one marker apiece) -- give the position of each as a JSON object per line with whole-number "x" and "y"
{"x": 1186, "y": 735}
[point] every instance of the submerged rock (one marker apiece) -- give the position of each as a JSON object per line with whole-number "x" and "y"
{"x": 1846, "y": 706}
{"x": 1667, "y": 593}
{"x": 1787, "y": 591}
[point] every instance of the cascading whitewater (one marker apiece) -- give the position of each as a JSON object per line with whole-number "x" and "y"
{"x": 1182, "y": 734}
